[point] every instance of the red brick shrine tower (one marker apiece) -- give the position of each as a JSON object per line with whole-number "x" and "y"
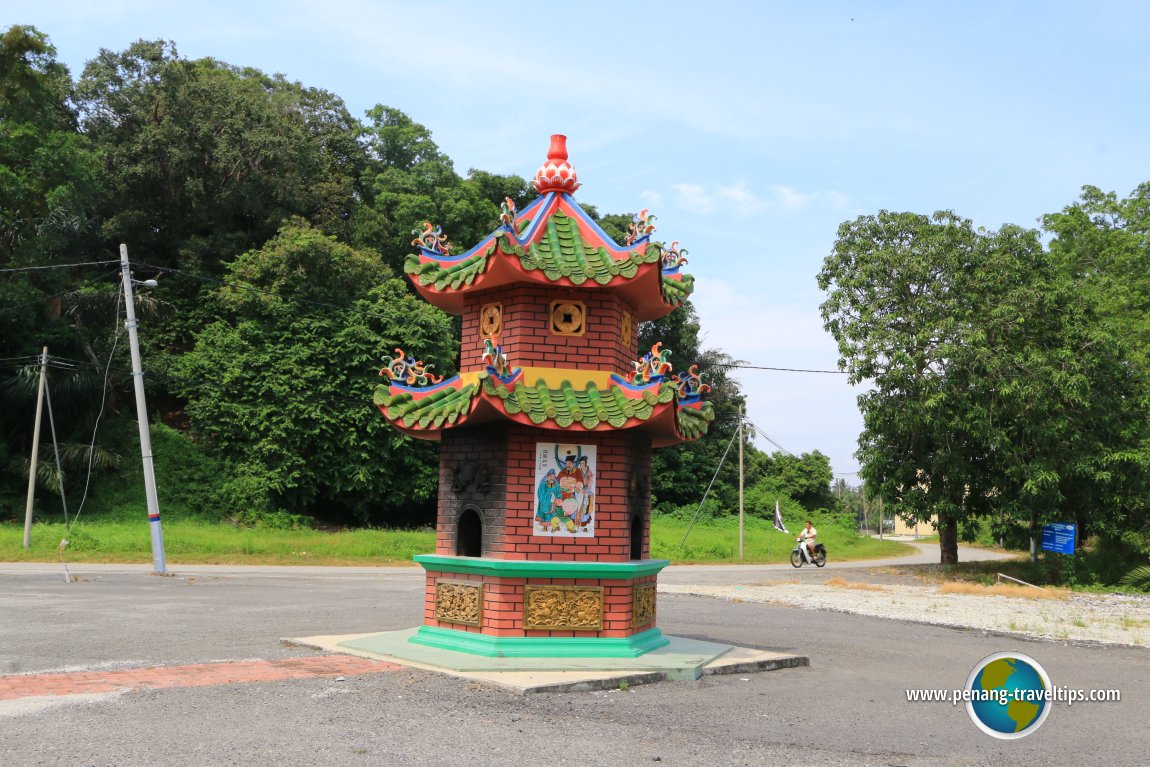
{"x": 542, "y": 544}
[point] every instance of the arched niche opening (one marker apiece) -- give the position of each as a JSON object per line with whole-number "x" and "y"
{"x": 469, "y": 534}
{"x": 637, "y": 536}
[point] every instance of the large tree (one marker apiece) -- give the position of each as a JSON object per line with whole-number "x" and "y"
{"x": 206, "y": 160}
{"x": 281, "y": 382}
{"x": 1103, "y": 243}
{"x": 48, "y": 173}
{"x": 49, "y": 182}
{"x": 992, "y": 385}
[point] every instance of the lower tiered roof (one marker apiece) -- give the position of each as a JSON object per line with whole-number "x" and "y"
{"x": 590, "y": 405}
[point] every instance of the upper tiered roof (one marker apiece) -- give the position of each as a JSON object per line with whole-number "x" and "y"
{"x": 553, "y": 242}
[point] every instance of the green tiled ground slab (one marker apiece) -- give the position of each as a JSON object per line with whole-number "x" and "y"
{"x": 680, "y": 660}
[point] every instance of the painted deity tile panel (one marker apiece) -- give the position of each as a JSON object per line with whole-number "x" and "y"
{"x": 564, "y": 490}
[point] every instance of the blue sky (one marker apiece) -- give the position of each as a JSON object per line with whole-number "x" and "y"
{"x": 751, "y": 129}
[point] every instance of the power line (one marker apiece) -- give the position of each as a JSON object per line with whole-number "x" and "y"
{"x": 768, "y": 438}
{"x": 54, "y": 266}
{"x": 71, "y": 364}
{"x": 337, "y": 307}
{"x": 783, "y": 370}
{"x": 117, "y": 329}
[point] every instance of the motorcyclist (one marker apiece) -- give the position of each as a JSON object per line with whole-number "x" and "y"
{"x": 806, "y": 541}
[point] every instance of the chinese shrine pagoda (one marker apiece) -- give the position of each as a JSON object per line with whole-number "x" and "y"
{"x": 542, "y": 540}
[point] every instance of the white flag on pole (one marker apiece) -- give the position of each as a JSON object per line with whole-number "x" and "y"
{"x": 779, "y": 520}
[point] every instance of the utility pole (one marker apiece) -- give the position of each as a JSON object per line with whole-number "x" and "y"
{"x": 35, "y": 451}
{"x": 740, "y": 483}
{"x": 142, "y": 415}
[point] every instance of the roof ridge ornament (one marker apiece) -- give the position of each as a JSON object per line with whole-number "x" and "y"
{"x": 557, "y": 174}
{"x": 407, "y": 371}
{"x": 431, "y": 239}
{"x": 642, "y": 227}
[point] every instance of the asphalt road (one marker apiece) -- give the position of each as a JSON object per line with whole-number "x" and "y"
{"x": 848, "y": 708}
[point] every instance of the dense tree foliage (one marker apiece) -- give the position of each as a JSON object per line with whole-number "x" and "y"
{"x": 273, "y": 383}
{"x": 204, "y": 160}
{"x": 1103, "y": 244}
{"x": 409, "y": 180}
{"x": 49, "y": 184}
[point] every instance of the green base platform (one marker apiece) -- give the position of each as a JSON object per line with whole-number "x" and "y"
{"x": 679, "y": 659}
{"x": 540, "y": 647}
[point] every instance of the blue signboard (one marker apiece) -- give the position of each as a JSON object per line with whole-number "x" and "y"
{"x": 1058, "y": 538}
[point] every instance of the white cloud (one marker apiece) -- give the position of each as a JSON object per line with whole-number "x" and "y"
{"x": 651, "y": 198}
{"x": 741, "y": 200}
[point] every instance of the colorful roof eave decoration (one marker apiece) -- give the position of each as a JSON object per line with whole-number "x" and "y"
{"x": 656, "y": 408}
{"x": 553, "y": 242}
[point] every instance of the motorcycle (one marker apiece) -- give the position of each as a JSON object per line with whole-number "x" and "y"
{"x": 819, "y": 554}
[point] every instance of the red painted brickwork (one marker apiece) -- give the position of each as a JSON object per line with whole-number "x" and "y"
{"x": 622, "y": 458}
{"x": 502, "y": 490}
{"x": 527, "y": 339}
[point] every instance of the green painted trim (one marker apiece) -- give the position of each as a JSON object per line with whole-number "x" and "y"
{"x": 540, "y": 647}
{"x": 528, "y": 568}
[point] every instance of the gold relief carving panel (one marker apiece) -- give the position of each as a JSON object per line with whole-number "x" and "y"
{"x": 625, "y": 331}
{"x": 643, "y": 604}
{"x": 459, "y": 602}
{"x": 575, "y": 608}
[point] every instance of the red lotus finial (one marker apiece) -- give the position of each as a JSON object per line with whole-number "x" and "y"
{"x": 557, "y": 175}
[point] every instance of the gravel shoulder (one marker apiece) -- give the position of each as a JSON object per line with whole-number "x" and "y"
{"x": 1113, "y": 619}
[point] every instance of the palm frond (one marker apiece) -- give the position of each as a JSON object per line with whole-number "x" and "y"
{"x": 73, "y": 462}
{"x": 1138, "y": 578}
{"x": 74, "y": 454}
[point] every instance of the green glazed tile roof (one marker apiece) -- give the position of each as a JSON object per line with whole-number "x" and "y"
{"x": 560, "y": 252}
{"x": 590, "y": 407}
{"x": 676, "y": 292}
{"x": 567, "y": 405}
{"x": 430, "y": 412}
{"x": 454, "y": 276}
{"x": 694, "y": 423}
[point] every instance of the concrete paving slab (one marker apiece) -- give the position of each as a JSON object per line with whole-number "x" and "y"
{"x": 682, "y": 659}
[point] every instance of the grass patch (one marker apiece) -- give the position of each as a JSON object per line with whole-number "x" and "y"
{"x": 199, "y": 542}
{"x": 717, "y": 541}
{"x": 843, "y": 583}
{"x": 1003, "y": 590}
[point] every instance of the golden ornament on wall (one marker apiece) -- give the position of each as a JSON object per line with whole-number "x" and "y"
{"x": 643, "y": 604}
{"x": 575, "y": 608}
{"x": 459, "y": 602}
{"x": 568, "y": 318}
{"x": 625, "y": 330}
{"x": 491, "y": 320}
